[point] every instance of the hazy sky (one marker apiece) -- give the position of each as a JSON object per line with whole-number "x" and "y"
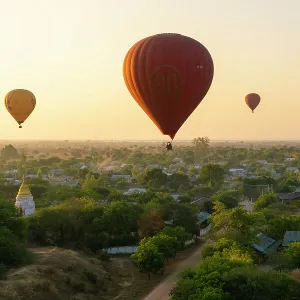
{"x": 69, "y": 53}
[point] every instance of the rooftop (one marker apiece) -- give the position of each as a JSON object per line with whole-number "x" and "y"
{"x": 24, "y": 190}
{"x": 265, "y": 244}
{"x": 290, "y": 237}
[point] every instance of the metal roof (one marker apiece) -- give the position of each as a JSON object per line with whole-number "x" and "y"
{"x": 290, "y": 237}
{"x": 203, "y": 215}
{"x": 265, "y": 244}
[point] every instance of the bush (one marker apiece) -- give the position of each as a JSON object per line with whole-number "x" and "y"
{"x": 12, "y": 252}
{"x": 2, "y": 271}
{"x": 103, "y": 255}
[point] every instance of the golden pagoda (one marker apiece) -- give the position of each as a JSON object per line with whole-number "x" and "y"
{"x": 24, "y": 199}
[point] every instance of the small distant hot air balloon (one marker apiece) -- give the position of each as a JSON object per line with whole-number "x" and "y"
{"x": 168, "y": 75}
{"x": 20, "y": 104}
{"x": 252, "y": 100}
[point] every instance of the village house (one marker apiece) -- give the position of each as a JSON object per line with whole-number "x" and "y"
{"x": 11, "y": 172}
{"x": 132, "y": 191}
{"x": 292, "y": 170}
{"x": 290, "y": 237}
{"x": 202, "y": 221}
{"x": 263, "y": 162}
{"x": 237, "y": 172}
{"x": 178, "y": 161}
{"x": 153, "y": 166}
{"x": 126, "y": 178}
{"x": 57, "y": 172}
{"x": 289, "y": 159}
{"x": 264, "y": 246}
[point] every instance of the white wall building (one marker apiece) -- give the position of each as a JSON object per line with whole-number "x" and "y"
{"x": 24, "y": 200}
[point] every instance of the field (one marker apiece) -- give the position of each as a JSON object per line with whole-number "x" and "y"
{"x": 59, "y": 274}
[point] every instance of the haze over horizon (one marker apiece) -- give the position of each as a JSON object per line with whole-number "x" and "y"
{"x": 70, "y": 54}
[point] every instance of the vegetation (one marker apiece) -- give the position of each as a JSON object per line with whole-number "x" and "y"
{"x": 93, "y": 196}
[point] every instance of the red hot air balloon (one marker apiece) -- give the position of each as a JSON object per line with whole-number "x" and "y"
{"x": 168, "y": 75}
{"x": 252, "y": 100}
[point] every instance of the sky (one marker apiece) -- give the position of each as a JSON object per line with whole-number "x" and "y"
{"x": 70, "y": 53}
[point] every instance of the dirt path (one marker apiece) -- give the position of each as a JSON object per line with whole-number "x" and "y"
{"x": 161, "y": 292}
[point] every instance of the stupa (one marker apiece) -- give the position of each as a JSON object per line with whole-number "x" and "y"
{"x": 24, "y": 199}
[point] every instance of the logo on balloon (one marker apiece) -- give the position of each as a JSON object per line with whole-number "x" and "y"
{"x": 166, "y": 83}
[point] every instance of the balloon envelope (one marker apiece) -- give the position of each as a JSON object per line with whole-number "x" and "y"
{"x": 20, "y": 104}
{"x": 252, "y": 100}
{"x": 168, "y": 75}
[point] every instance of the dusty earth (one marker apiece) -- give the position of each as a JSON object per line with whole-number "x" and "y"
{"x": 61, "y": 274}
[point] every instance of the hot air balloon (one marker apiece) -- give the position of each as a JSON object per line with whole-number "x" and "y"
{"x": 252, "y": 100}
{"x": 168, "y": 75}
{"x": 20, "y": 104}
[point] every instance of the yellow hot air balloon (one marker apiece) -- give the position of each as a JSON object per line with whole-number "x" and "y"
{"x": 20, "y": 104}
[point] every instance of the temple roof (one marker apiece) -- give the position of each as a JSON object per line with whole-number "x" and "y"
{"x": 24, "y": 190}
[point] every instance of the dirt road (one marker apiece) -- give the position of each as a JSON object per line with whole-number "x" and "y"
{"x": 161, "y": 292}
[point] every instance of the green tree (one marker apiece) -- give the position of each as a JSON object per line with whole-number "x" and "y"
{"x": 179, "y": 233}
{"x": 22, "y": 164}
{"x": 155, "y": 178}
{"x": 9, "y": 152}
{"x": 201, "y": 145}
{"x": 120, "y": 218}
{"x": 277, "y": 225}
{"x": 291, "y": 255}
{"x": 178, "y": 179}
{"x": 148, "y": 258}
{"x": 212, "y": 174}
{"x": 165, "y": 245}
{"x": 265, "y": 200}
{"x": 180, "y": 214}
{"x": 236, "y": 223}
{"x": 89, "y": 182}
{"x": 39, "y": 174}
{"x": 11, "y": 218}
{"x": 229, "y": 198}
{"x": 12, "y": 251}
{"x": 231, "y": 278}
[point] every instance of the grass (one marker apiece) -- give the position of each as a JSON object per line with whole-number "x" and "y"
{"x": 59, "y": 274}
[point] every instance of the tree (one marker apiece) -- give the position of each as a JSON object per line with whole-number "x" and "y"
{"x": 230, "y": 278}
{"x": 184, "y": 199}
{"x": 120, "y": 218}
{"x": 12, "y": 219}
{"x": 201, "y": 143}
{"x": 179, "y": 233}
{"x": 277, "y": 225}
{"x": 12, "y": 251}
{"x": 90, "y": 182}
{"x": 228, "y": 198}
{"x": 292, "y": 255}
{"x": 150, "y": 222}
{"x": 236, "y": 223}
{"x": 165, "y": 245}
{"x": 201, "y": 146}
{"x": 148, "y": 258}
{"x": 180, "y": 214}
{"x": 155, "y": 178}
{"x": 265, "y": 200}
{"x": 178, "y": 179}
{"x": 39, "y": 174}
{"x": 9, "y": 152}
{"x": 22, "y": 165}
{"x": 213, "y": 174}
{"x": 228, "y": 249}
